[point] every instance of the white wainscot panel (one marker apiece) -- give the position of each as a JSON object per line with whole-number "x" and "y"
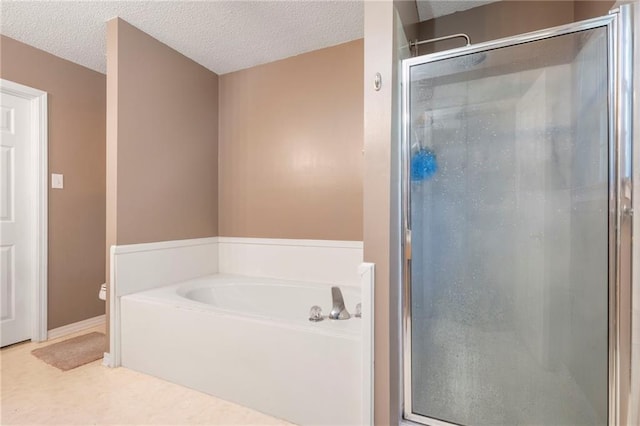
{"x": 305, "y": 260}
{"x": 139, "y": 267}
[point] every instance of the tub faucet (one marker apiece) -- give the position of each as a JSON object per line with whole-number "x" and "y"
{"x": 339, "y": 311}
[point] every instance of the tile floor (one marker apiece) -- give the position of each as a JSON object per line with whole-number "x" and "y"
{"x": 35, "y": 393}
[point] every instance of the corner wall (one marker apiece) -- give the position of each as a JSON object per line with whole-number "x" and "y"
{"x": 163, "y": 134}
{"x": 76, "y": 149}
{"x": 162, "y": 142}
{"x": 380, "y": 240}
{"x": 291, "y": 147}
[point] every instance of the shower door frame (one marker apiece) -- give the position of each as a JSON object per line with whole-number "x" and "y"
{"x": 619, "y": 24}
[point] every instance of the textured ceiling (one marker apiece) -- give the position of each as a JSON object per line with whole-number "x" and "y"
{"x": 223, "y": 36}
{"x": 431, "y": 9}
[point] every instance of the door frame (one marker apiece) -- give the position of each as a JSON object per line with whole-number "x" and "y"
{"x": 618, "y": 24}
{"x": 38, "y": 189}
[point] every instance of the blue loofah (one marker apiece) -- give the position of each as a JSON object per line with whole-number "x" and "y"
{"x": 423, "y": 165}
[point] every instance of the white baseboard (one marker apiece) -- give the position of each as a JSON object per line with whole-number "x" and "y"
{"x": 75, "y": 327}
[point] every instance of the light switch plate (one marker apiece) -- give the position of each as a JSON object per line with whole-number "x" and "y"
{"x": 57, "y": 181}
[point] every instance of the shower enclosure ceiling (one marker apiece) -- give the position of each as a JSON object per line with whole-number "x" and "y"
{"x": 516, "y": 161}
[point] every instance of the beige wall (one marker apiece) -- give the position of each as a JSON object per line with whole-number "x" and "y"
{"x": 290, "y": 153}
{"x": 162, "y": 141}
{"x": 585, "y": 9}
{"x": 77, "y": 150}
{"x": 494, "y": 21}
{"x": 378, "y": 44}
{"x": 507, "y": 18}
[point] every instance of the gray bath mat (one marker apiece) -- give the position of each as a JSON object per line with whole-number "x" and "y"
{"x": 73, "y": 352}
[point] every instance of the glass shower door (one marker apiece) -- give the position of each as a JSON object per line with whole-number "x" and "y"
{"x": 508, "y": 171}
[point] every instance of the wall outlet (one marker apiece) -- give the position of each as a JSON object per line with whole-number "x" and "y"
{"x": 57, "y": 181}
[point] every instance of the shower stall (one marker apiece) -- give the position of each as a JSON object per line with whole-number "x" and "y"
{"x": 517, "y": 228}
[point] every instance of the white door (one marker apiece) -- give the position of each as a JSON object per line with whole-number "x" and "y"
{"x": 17, "y": 268}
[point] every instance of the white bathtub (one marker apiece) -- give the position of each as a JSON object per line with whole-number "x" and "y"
{"x": 249, "y": 340}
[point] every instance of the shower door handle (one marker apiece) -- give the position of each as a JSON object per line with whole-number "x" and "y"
{"x": 407, "y": 244}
